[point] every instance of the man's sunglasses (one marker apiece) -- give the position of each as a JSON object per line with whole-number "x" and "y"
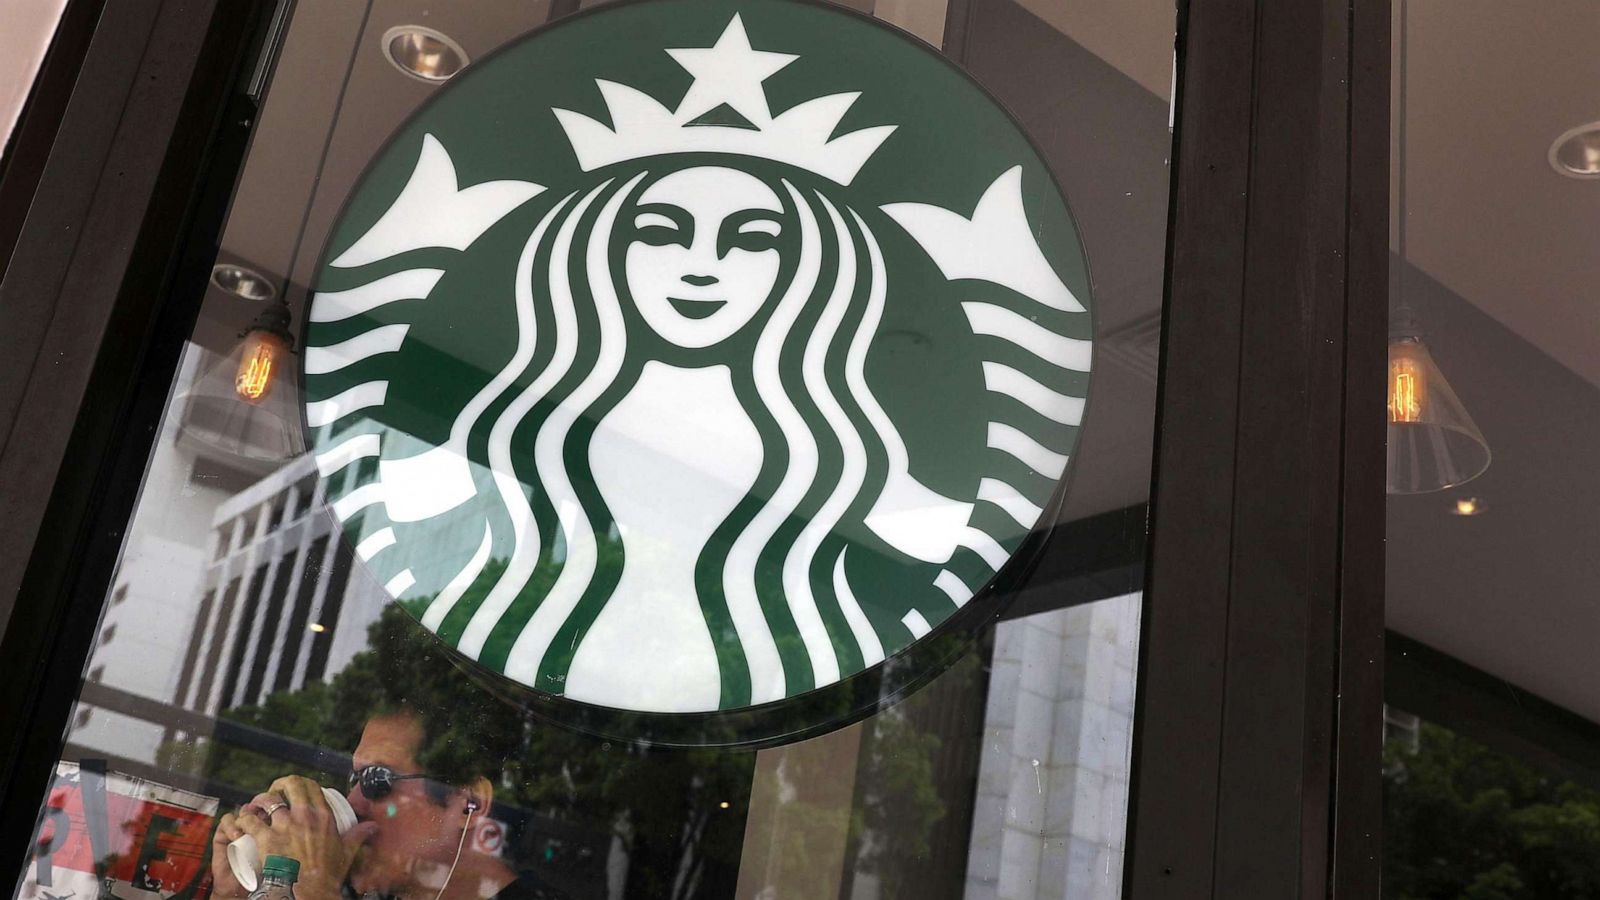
{"x": 378, "y": 781}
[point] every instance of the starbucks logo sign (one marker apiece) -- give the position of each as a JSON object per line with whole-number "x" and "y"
{"x": 690, "y": 356}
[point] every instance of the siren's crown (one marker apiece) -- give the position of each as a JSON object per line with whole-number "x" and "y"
{"x": 727, "y": 74}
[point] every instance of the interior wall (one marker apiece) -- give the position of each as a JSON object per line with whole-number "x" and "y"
{"x": 24, "y": 41}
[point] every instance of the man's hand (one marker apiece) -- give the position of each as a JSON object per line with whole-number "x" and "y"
{"x": 304, "y": 830}
{"x": 223, "y": 884}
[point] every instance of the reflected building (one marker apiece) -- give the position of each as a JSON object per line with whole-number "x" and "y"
{"x": 240, "y": 574}
{"x": 278, "y": 607}
{"x": 161, "y": 572}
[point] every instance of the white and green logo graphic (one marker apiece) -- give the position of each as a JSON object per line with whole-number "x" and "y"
{"x": 693, "y": 355}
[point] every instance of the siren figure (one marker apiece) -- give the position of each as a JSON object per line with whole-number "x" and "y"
{"x": 673, "y": 480}
{"x": 705, "y": 433}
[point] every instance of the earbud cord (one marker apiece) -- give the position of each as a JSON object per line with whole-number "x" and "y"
{"x": 459, "y": 845}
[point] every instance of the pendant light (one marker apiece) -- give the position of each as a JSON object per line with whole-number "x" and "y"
{"x": 244, "y": 404}
{"x": 1433, "y": 442}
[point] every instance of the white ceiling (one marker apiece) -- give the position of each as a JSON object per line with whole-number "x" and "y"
{"x": 1490, "y": 85}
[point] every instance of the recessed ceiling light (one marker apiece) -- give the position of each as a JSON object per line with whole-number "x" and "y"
{"x": 1576, "y": 154}
{"x": 242, "y": 282}
{"x": 423, "y": 53}
{"x": 1467, "y": 506}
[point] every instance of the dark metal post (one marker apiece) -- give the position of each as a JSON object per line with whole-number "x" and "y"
{"x": 1257, "y": 744}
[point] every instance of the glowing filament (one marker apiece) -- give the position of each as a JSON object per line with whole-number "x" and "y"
{"x": 257, "y": 366}
{"x": 1406, "y": 389}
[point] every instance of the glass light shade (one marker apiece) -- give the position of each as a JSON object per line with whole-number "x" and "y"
{"x": 244, "y": 405}
{"x": 1433, "y": 442}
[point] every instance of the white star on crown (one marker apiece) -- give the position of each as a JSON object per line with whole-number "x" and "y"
{"x": 727, "y": 74}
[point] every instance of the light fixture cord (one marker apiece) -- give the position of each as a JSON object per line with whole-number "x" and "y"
{"x": 1405, "y": 71}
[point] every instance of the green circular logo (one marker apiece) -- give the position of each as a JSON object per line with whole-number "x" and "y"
{"x": 693, "y": 355}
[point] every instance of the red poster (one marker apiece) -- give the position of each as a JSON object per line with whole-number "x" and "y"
{"x": 151, "y": 839}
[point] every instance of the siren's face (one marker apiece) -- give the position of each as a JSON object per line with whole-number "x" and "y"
{"x": 702, "y": 255}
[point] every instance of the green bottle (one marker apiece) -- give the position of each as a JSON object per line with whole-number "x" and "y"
{"x": 278, "y": 876}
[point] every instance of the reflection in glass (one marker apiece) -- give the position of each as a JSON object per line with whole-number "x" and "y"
{"x": 255, "y": 642}
{"x": 1464, "y": 820}
{"x": 245, "y": 404}
{"x": 1433, "y": 442}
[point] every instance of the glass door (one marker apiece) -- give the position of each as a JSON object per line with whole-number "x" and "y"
{"x": 661, "y": 449}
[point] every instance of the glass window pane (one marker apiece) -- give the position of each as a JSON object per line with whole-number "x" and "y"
{"x": 1494, "y": 400}
{"x": 918, "y": 726}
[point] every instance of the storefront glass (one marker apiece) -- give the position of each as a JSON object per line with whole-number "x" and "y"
{"x": 251, "y": 631}
{"x": 1490, "y": 767}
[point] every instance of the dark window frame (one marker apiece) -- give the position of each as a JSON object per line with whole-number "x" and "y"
{"x": 1259, "y": 726}
{"x": 98, "y": 285}
{"x": 1260, "y": 689}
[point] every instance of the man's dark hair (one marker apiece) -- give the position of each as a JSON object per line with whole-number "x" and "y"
{"x": 467, "y": 730}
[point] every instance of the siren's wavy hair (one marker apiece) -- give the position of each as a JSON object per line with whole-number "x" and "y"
{"x": 770, "y": 581}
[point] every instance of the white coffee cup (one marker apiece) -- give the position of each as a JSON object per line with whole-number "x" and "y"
{"x": 244, "y": 857}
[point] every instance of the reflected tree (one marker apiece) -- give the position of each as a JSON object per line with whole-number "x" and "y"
{"x": 1464, "y": 822}
{"x": 675, "y": 815}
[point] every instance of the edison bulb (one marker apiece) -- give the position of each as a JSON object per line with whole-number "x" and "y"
{"x": 1408, "y": 385}
{"x": 260, "y": 356}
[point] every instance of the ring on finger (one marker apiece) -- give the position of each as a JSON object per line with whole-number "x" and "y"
{"x": 272, "y": 809}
